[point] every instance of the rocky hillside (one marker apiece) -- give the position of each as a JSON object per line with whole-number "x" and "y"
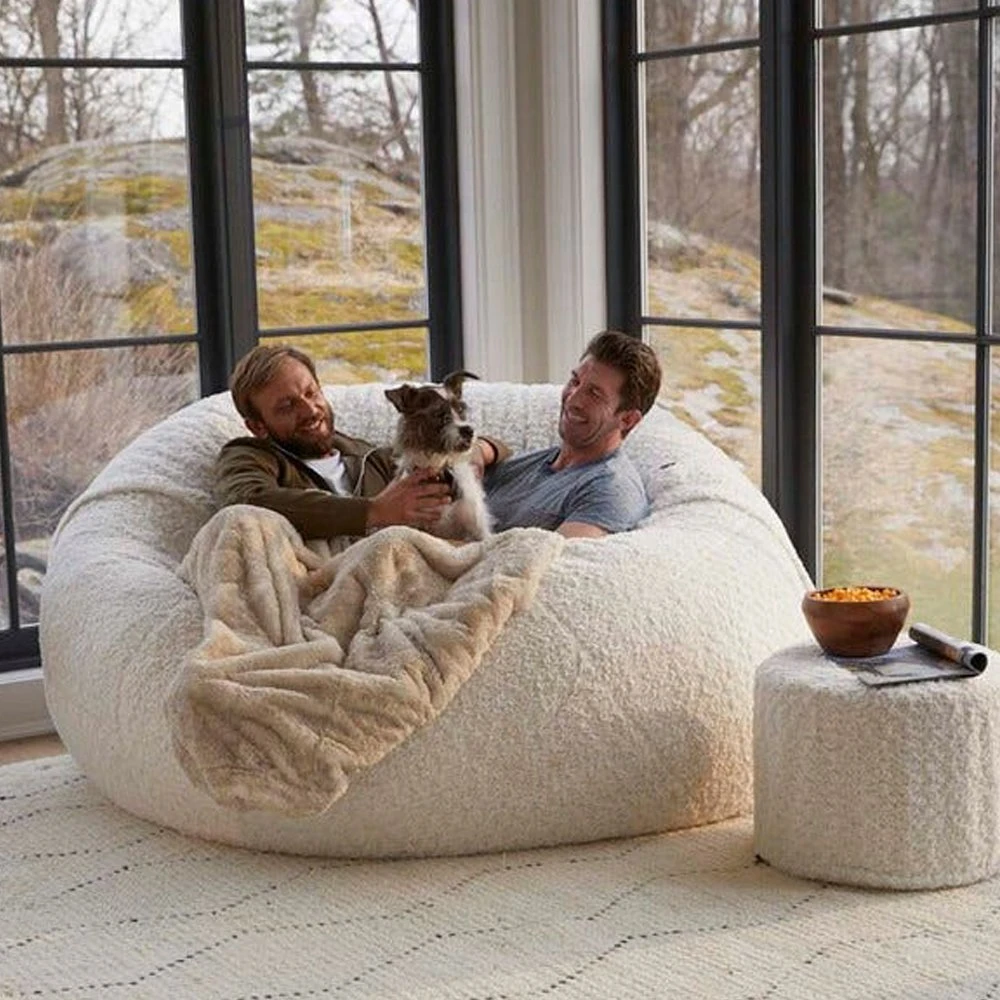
{"x": 336, "y": 241}
{"x": 897, "y": 421}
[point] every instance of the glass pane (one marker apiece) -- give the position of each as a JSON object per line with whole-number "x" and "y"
{"x": 4, "y": 586}
{"x": 69, "y": 413}
{"x": 899, "y": 174}
{"x": 339, "y": 221}
{"x": 897, "y": 472}
{"x": 365, "y": 356}
{"x": 96, "y": 237}
{"x": 671, "y": 23}
{"x": 860, "y": 11}
{"x": 370, "y": 31}
{"x": 703, "y": 186}
{"x": 712, "y": 382}
{"x": 138, "y": 29}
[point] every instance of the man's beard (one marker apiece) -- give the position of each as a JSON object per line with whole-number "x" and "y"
{"x": 306, "y": 445}
{"x": 586, "y": 435}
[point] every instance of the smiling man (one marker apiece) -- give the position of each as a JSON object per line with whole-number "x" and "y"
{"x": 584, "y": 487}
{"x": 296, "y": 463}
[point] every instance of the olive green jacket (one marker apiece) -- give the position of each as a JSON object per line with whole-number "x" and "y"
{"x": 257, "y": 471}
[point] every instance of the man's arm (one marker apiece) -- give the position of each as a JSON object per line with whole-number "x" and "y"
{"x": 605, "y": 506}
{"x": 250, "y": 474}
{"x": 580, "y": 529}
{"x": 487, "y": 451}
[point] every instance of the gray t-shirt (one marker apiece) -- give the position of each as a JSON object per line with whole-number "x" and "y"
{"x": 526, "y": 492}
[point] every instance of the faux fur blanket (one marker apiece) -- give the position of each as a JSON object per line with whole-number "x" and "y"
{"x": 314, "y": 667}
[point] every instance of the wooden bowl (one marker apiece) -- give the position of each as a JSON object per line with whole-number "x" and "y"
{"x": 856, "y": 627}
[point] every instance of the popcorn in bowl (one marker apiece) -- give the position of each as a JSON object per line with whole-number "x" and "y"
{"x": 856, "y": 620}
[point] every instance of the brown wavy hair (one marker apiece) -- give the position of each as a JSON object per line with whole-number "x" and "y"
{"x": 636, "y": 361}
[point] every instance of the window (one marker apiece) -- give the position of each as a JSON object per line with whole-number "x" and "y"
{"x": 178, "y": 180}
{"x": 695, "y": 211}
{"x": 862, "y": 132}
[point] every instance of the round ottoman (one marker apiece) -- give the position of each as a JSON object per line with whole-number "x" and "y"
{"x": 895, "y": 787}
{"x": 618, "y": 703}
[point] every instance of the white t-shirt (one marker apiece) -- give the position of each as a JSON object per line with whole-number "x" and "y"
{"x": 333, "y": 470}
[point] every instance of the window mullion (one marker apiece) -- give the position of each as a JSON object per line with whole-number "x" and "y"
{"x": 789, "y": 261}
{"x": 440, "y": 179}
{"x": 621, "y": 167}
{"x": 221, "y": 186}
{"x": 984, "y": 307}
{"x": 7, "y": 498}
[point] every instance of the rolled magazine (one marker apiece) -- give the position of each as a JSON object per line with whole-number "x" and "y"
{"x": 932, "y": 655}
{"x": 973, "y": 658}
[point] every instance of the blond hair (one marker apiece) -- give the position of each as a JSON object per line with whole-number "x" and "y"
{"x": 256, "y": 368}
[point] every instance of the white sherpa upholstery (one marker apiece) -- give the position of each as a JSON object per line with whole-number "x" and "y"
{"x": 618, "y": 703}
{"x": 893, "y": 787}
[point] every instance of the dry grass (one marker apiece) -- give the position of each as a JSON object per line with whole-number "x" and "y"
{"x": 70, "y": 411}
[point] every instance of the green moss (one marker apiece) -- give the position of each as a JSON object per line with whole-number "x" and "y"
{"x": 370, "y": 193}
{"x": 68, "y": 202}
{"x": 178, "y": 240}
{"x": 325, "y": 175}
{"x": 685, "y": 353}
{"x": 285, "y": 243}
{"x": 950, "y": 456}
{"x": 285, "y": 306}
{"x": 149, "y": 193}
{"x": 266, "y": 188}
{"x": 79, "y": 199}
{"x": 731, "y": 417}
{"x": 894, "y": 315}
{"x": 371, "y": 353}
{"x": 733, "y": 391}
{"x": 940, "y": 411}
{"x": 157, "y": 309}
{"x": 409, "y": 257}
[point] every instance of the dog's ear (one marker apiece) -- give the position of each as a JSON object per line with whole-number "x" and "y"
{"x": 453, "y": 382}
{"x": 403, "y": 397}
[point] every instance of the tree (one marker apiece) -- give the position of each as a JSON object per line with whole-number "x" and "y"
{"x": 702, "y": 120}
{"x": 54, "y": 105}
{"x": 47, "y": 18}
{"x": 372, "y": 113}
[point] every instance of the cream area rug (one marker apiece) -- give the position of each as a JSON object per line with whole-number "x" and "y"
{"x": 96, "y": 903}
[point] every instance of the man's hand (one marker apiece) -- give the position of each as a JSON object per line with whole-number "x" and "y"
{"x": 417, "y": 500}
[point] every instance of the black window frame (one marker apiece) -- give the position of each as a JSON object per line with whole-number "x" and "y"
{"x": 215, "y": 70}
{"x": 789, "y": 36}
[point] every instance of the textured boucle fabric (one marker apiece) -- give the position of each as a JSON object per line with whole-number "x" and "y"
{"x": 618, "y": 703}
{"x": 894, "y": 787}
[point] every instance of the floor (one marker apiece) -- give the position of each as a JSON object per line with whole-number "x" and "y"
{"x": 29, "y": 748}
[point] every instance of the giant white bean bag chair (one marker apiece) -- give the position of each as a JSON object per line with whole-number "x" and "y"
{"x": 617, "y": 703}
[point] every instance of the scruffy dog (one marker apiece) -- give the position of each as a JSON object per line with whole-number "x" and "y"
{"x": 432, "y": 433}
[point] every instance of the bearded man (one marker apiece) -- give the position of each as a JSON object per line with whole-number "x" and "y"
{"x": 296, "y": 463}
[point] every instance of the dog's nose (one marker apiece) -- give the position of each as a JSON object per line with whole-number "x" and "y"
{"x": 465, "y": 433}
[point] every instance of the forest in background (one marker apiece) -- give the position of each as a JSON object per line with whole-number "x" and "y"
{"x": 898, "y": 127}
